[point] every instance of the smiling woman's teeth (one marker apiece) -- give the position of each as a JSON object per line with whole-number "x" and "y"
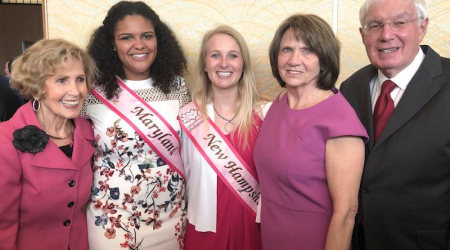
{"x": 70, "y": 103}
{"x": 139, "y": 55}
{"x": 224, "y": 73}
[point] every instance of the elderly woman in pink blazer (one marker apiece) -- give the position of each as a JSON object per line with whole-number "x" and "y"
{"x": 46, "y": 151}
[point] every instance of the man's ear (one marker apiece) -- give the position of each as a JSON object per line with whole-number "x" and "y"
{"x": 423, "y": 29}
{"x": 361, "y": 31}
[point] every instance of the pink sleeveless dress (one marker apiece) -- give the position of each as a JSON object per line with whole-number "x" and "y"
{"x": 290, "y": 159}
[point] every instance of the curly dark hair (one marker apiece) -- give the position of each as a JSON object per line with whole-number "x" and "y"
{"x": 170, "y": 60}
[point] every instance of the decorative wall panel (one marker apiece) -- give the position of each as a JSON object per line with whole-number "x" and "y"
{"x": 257, "y": 20}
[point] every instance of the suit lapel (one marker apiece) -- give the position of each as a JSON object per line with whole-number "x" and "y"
{"x": 83, "y": 139}
{"x": 419, "y": 92}
{"x": 53, "y": 157}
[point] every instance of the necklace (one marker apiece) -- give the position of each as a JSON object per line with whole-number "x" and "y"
{"x": 59, "y": 138}
{"x": 229, "y": 121}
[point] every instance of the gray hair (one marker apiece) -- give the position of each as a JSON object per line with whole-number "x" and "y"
{"x": 421, "y": 8}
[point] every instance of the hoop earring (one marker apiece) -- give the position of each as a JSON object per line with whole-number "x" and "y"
{"x": 34, "y": 105}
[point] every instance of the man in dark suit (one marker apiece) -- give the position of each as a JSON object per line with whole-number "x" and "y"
{"x": 405, "y": 189}
{"x": 10, "y": 100}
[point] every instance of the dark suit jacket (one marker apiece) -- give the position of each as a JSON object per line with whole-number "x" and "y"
{"x": 405, "y": 188}
{"x": 10, "y": 100}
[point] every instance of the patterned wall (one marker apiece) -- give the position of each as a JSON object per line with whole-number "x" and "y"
{"x": 257, "y": 20}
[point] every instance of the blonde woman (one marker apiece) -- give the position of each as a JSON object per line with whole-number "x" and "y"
{"x": 220, "y": 128}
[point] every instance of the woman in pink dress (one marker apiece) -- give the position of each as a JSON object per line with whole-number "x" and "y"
{"x": 310, "y": 150}
{"x": 226, "y": 99}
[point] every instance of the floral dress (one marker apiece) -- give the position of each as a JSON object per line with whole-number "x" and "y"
{"x": 137, "y": 200}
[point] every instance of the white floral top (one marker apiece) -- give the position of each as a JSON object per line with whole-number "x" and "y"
{"x": 137, "y": 200}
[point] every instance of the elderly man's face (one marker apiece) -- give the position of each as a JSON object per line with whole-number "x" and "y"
{"x": 390, "y": 51}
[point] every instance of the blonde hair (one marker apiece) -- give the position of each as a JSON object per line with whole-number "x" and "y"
{"x": 42, "y": 60}
{"x": 248, "y": 96}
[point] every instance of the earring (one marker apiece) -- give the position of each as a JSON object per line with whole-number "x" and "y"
{"x": 34, "y": 105}
{"x": 114, "y": 49}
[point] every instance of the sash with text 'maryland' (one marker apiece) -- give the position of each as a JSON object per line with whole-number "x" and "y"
{"x": 222, "y": 157}
{"x": 148, "y": 123}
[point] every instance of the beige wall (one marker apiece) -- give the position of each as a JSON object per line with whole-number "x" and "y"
{"x": 257, "y": 20}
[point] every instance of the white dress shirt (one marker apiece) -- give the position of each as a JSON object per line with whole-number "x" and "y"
{"x": 402, "y": 80}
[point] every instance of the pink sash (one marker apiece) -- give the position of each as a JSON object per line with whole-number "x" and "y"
{"x": 221, "y": 156}
{"x": 148, "y": 123}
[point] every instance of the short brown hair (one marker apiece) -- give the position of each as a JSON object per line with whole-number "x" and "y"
{"x": 42, "y": 60}
{"x": 319, "y": 37}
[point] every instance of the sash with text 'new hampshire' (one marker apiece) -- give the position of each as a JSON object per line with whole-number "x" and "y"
{"x": 223, "y": 158}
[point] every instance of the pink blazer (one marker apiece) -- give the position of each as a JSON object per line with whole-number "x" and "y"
{"x": 41, "y": 195}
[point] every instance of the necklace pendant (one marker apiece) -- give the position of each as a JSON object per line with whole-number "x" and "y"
{"x": 228, "y": 127}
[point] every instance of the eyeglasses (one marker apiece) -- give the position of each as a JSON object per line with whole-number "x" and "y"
{"x": 375, "y": 27}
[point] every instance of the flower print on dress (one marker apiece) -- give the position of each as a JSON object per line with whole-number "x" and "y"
{"x": 134, "y": 171}
{"x": 110, "y": 233}
{"x": 135, "y": 190}
{"x": 148, "y": 163}
{"x": 114, "y": 193}
{"x": 95, "y": 190}
{"x": 149, "y": 191}
{"x": 111, "y": 131}
{"x": 101, "y": 220}
{"x": 109, "y": 208}
{"x": 160, "y": 162}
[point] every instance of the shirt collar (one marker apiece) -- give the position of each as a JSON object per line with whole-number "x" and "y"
{"x": 404, "y": 77}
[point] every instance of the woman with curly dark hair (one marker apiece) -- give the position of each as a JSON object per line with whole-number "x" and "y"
{"x": 138, "y": 194}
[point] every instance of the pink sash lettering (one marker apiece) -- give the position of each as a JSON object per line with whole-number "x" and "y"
{"x": 221, "y": 156}
{"x": 148, "y": 123}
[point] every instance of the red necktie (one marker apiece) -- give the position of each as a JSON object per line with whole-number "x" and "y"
{"x": 383, "y": 108}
